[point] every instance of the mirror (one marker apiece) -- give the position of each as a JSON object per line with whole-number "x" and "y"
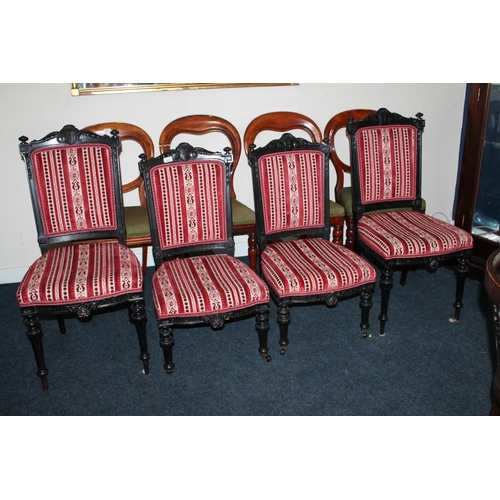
{"x": 486, "y": 222}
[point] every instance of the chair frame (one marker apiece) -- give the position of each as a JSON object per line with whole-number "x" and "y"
{"x": 284, "y": 121}
{"x": 182, "y": 153}
{"x": 384, "y": 117}
{"x": 288, "y": 142}
{"x": 67, "y": 136}
{"x": 336, "y": 123}
{"x": 128, "y": 131}
{"x": 201, "y": 125}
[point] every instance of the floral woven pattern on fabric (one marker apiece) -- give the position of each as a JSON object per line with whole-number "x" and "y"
{"x": 80, "y": 273}
{"x": 313, "y": 266}
{"x": 292, "y": 186}
{"x": 387, "y": 158}
{"x": 75, "y": 188}
{"x": 205, "y": 285}
{"x": 190, "y": 203}
{"x": 411, "y": 234}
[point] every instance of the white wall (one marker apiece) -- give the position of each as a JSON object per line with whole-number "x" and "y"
{"x": 37, "y": 109}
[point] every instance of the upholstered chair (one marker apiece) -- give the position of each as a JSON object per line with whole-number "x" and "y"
{"x": 389, "y": 226}
{"x": 85, "y": 266}
{"x": 197, "y": 279}
{"x": 343, "y": 194}
{"x": 297, "y": 259}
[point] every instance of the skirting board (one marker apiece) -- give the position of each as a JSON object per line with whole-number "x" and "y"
{"x": 15, "y": 275}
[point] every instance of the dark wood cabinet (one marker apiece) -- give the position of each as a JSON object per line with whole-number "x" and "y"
{"x": 477, "y": 206}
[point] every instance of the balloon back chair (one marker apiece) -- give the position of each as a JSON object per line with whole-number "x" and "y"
{"x": 136, "y": 216}
{"x": 297, "y": 259}
{"x": 243, "y": 218}
{"x": 386, "y": 160}
{"x": 75, "y": 187}
{"x": 197, "y": 279}
{"x": 287, "y": 121}
{"x": 343, "y": 194}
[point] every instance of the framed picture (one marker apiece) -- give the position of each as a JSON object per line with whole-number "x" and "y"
{"x": 78, "y": 89}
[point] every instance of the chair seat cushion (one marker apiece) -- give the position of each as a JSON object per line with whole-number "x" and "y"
{"x": 313, "y": 266}
{"x": 205, "y": 285}
{"x": 80, "y": 273}
{"x": 242, "y": 215}
{"x": 336, "y": 210}
{"x": 136, "y": 221}
{"x": 409, "y": 234}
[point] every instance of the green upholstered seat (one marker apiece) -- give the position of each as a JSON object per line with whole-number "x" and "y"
{"x": 336, "y": 209}
{"x": 241, "y": 213}
{"x": 136, "y": 221}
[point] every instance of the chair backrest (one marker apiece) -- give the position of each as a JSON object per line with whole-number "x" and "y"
{"x": 200, "y": 125}
{"x": 280, "y": 121}
{"x": 129, "y": 132}
{"x": 189, "y": 205}
{"x": 334, "y": 125}
{"x": 75, "y": 186}
{"x": 386, "y": 161}
{"x": 290, "y": 179}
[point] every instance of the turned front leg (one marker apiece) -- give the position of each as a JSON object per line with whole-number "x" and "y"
{"x": 262, "y": 326}
{"x": 386, "y": 282}
{"x": 283, "y": 322}
{"x": 35, "y": 334}
{"x": 167, "y": 345}
{"x": 137, "y": 314}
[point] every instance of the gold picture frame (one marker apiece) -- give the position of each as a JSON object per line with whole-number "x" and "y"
{"x": 78, "y": 89}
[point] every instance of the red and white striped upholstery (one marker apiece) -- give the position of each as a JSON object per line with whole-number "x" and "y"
{"x": 293, "y": 190}
{"x": 204, "y": 285}
{"x": 80, "y": 273}
{"x": 387, "y": 160}
{"x": 313, "y": 266}
{"x": 410, "y": 234}
{"x": 75, "y": 188}
{"x": 188, "y": 211}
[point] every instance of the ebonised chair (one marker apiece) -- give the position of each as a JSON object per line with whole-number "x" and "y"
{"x": 389, "y": 227}
{"x": 287, "y": 121}
{"x": 75, "y": 186}
{"x": 136, "y": 216}
{"x": 343, "y": 195}
{"x": 197, "y": 279}
{"x": 297, "y": 259}
{"x": 243, "y": 217}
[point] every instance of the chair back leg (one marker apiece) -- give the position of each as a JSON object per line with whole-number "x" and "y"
{"x": 144, "y": 259}
{"x": 62, "y": 325}
{"x": 252, "y": 251}
{"x": 338, "y": 231}
{"x": 349, "y": 232}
